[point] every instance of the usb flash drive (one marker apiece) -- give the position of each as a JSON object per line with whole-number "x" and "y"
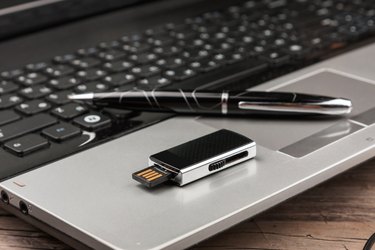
{"x": 196, "y": 159}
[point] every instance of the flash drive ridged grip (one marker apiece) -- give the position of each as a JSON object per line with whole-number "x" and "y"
{"x": 216, "y": 165}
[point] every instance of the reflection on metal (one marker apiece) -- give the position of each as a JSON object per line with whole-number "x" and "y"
{"x": 200, "y": 190}
{"x": 321, "y": 139}
{"x": 91, "y": 135}
{"x": 336, "y": 131}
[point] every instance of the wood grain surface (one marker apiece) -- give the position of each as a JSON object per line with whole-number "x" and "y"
{"x": 338, "y": 214}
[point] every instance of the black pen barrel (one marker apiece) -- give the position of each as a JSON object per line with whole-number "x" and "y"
{"x": 163, "y": 101}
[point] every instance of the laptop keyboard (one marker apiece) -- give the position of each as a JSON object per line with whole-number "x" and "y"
{"x": 38, "y": 123}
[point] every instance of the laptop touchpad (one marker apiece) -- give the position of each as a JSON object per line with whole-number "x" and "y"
{"x": 301, "y": 136}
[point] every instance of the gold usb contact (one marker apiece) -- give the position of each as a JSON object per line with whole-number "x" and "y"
{"x": 152, "y": 176}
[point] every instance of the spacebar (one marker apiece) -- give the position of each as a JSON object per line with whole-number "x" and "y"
{"x": 25, "y": 126}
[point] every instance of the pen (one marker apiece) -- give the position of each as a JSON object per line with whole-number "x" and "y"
{"x": 225, "y": 103}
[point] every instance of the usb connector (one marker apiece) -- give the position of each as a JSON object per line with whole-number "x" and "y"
{"x": 152, "y": 176}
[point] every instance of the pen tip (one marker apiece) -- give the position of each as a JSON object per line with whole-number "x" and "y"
{"x": 87, "y": 96}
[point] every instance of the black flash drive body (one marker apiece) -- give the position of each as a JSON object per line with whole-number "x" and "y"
{"x": 196, "y": 159}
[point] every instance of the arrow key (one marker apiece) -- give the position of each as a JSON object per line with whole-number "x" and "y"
{"x": 61, "y": 132}
{"x": 26, "y": 144}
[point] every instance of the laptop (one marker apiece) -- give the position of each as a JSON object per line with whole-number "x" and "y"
{"x": 77, "y": 184}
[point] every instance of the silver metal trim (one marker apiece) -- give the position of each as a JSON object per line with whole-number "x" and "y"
{"x": 338, "y": 106}
{"x": 224, "y": 103}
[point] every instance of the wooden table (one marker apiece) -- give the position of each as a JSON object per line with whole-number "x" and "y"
{"x": 338, "y": 214}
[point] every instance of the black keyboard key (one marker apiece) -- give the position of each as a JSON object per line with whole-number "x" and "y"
{"x": 136, "y": 47}
{"x": 9, "y": 100}
{"x": 11, "y": 74}
{"x": 133, "y": 38}
{"x": 161, "y": 40}
{"x": 278, "y": 42}
{"x": 120, "y": 79}
{"x": 197, "y": 43}
{"x": 145, "y": 70}
{"x": 68, "y": 58}
{"x": 64, "y": 59}
{"x": 31, "y": 78}
{"x": 167, "y": 50}
{"x": 65, "y": 82}
{"x": 7, "y": 86}
{"x": 88, "y": 51}
{"x": 118, "y": 66}
{"x": 33, "y": 107}
{"x": 176, "y": 27}
{"x": 219, "y": 37}
{"x": 109, "y": 45}
{"x": 195, "y": 54}
{"x": 36, "y": 66}
{"x": 60, "y": 97}
{"x": 353, "y": 30}
{"x": 25, "y": 126}
{"x": 180, "y": 74}
{"x": 370, "y": 24}
{"x": 8, "y": 116}
{"x": 155, "y": 31}
{"x": 153, "y": 82}
{"x": 61, "y": 132}
{"x": 69, "y": 111}
{"x": 257, "y": 50}
{"x": 276, "y": 57}
{"x": 91, "y": 74}
{"x": 241, "y": 37}
{"x": 184, "y": 35}
{"x": 222, "y": 47}
{"x": 127, "y": 87}
{"x": 34, "y": 92}
{"x": 85, "y": 63}
{"x": 205, "y": 65}
{"x": 251, "y": 50}
{"x": 235, "y": 58}
{"x": 297, "y": 51}
{"x": 170, "y": 62}
{"x": 143, "y": 58}
{"x": 91, "y": 87}
{"x": 59, "y": 70}
{"x": 92, "y": 121}
{"x": 26, "y": 144}
{"x": 111, "y": 55}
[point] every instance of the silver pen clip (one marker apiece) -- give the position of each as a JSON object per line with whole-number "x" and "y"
{"x": 338, "y": 106}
